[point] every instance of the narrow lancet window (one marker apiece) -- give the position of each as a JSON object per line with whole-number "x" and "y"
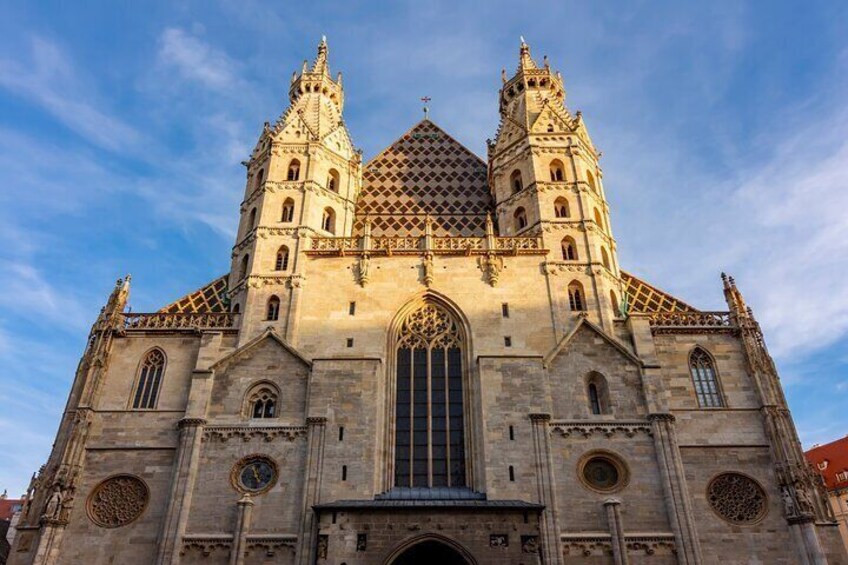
{"x": 288, "y": 211}
{"x": 273, "y": 309}
{"x": 149, "y": 380}
{"x": 576, "y": 298}
{"x": 282, "y": 263}
{"x": 704, "y": 378}
{"x": 294, "y": 170}
{"x": 557, "y": 171}
{"x": 515, "y": 181}
{"x": 569, "y": 249}
{"x": 561, "y": 208}
{"x": 328, "y": 221}
{"x": 520, "y": 219}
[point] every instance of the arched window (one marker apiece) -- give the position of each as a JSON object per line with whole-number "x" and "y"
{"x": 515, "y": 181}
{"x": 590, "y": 178}
{"x": 569, "y": 249}
{"x": 705, "y": 379}
{"x": 550, "y": 128}
{"x": 260, "y": 176}
{"x": 561, "y": 207}
{"x": 288, "y": 211}
{"x": 251, "y": 220}
{"x": 282, "y": 263}
{"x": 149, "y": 379}
{"x": 272, "y": 312}
{"x": 262, "y": 401}
{"x": 605, "y": 258}
{"x": 614, "y": 303}
{"x": 599, "y": 219}
{"x": 597, "y": 393}
{"x": 243, "y": 267}
{"x": 557, "y": 171}
{"x": 429, "y": 415}
{"x": 333, "y": 180}
{"x": 294, "y": 170}
{"x": 236, "y": 308}
{"x": 576, "y": 298}
{"x": 520, "y": 219}
{"x": 328, "y": 221}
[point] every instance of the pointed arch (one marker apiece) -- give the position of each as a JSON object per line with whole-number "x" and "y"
{"x": 590, "y": 179}
{"x": 151, "y": 369}
{"x": 333, "y": 180}
{"x": 282, "y": 262}
{"x": 236, "y": 308}
{"x": 705, "y": 378}
{"x": 261, "y": 401}
{"x": 616, "y": 307}
{"x": 561, "y": 207}
{"x": 557, "y": 171}
{"x": 605, "y": 258}
{"x": 437, "y": 541}
{"x": 260, "y": 178}
{"x": 576, "y": 296}
{"x": 516, "y": 182}
{"x": 597, "y": 394}
{"x": 272, "y": 309}
{"x": 429, "y": 343}
{"x": 569, "y": 248}
{"x": 251, "y": 219}
{"x": 294, "y": 170}
{"x": 328, "y": 220}
{"x": 520, "y": 217}
{"x": 599, "y": 219}
{"x": 288, "y": 211}
{"x": 245, "y": 261}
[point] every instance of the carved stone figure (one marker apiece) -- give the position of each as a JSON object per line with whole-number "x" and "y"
{"x": 789, "y": 506}
{"x": 53, "y": 509}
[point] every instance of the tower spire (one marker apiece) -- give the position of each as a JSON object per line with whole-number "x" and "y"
{"x": 320, "y": 65}
{"x": 525, "y": 61}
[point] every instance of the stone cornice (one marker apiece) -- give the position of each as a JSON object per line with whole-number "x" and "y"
{"x": 609, "y": 428}
{"x": 246, "y": 432}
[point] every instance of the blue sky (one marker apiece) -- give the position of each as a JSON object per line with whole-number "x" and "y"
{"x": 723, "y": 127}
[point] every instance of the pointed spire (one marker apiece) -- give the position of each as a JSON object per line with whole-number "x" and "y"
{"x": 320, "y": 65}
{"x": 525, "y": 60}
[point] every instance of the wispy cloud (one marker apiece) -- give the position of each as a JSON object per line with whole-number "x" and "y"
{"x": 196, "y": 60}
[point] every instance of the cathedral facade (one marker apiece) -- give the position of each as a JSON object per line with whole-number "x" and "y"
{"x": 426, "y": 358}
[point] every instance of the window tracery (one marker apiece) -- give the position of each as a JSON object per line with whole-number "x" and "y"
{"x": 705, "y": 379}
{"x": 262, "y": 401}
{"x": 429, "y": 415}
{"x": 576, "y": 298}
{"x": 282, "y": 262}
{"x": 737, "y": 498}
{"x": 149, "y": 379}
{"x": 294, "y": 170}
{"x": 561, "y": 208}
{"x": 272, "y": 312}
{"x": 569, "y": 249}
{"x": 557, "y": 171}
{"x": 288, "y": 211}
{"x": 117, "y": 501}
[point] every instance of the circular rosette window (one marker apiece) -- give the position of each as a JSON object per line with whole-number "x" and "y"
{"x": 117, "y": 501}
{"x": 603, "y": 472}
{"x": 737, "y": 498}
{"x": 254, "y": 474}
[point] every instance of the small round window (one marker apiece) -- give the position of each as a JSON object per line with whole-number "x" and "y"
{"x": 603, "y": 472}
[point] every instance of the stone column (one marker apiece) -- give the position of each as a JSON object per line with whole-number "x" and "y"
{"x": 182, "y": 488}
{"x": 245, "y": 509}
{"x": 678, "y": 503}
{"x": 312, "y": 491}
{"x": 619, "y": 545}
{"x": 551, "y": 544}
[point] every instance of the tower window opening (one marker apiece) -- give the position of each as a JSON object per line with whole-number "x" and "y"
{"x": 550, "y": 128}
{"x": 614, "y": 303}
{"x": 149, "y": 380}
{"x": 262, "y": 402}
{"x": 605, "y": 259}
{"x": 288, "y": 211}
{"x": 569, "y": 249}
{"x": 505, "y": 310}
{"x": 511, "y": 433}
{"x": 557, "y": 171}
{"x": 333, "y": 180}
{"x": 243, "y": 267}
{"x": 351, "y": 309}
{"x": 599, "y": 218}
{"x": 511, "y": 474}
{"x": 704, "y": 378}
{"x": 251, "y": 220}
{"x": 590, "y": 178}
{"x": 561, "y": 208}
{"x": 507, "y": 341}
{"x": 272, "y": 311}
{"x": 520, "y": 219}
{"x": 341, "y": 433}
{"x": 344, "y": 472}
{"x": 282, "y": 263}
{"x": 294, "y": 170}
{"x": 516, "y": 182}
{"x": 260, "y": 176}
{"x": 597, "y": 392}
{"x": 328, "y": 221}
{"x": 576, "y": 298}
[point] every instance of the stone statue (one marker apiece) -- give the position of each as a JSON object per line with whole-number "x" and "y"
{"x": 789, "y": 506}
{"x": 804, "y": 501}
{"x": 53, "y": 509}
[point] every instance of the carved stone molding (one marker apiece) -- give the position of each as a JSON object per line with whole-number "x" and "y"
{"x": 600, "y": 543}
{"x": 206, "y": 544}
{"x": 491, "y": 265}
{"x": 661, "y": 417}
{"x": 190, "y": 422}
{"x": 269, "y": 545}
{"x": 608, "y": 429}
{"x": 540, "y": 417}
{"x": 247, "y": 433}
{"x": 316, "y": 420}
{"x": 557, "y": 267}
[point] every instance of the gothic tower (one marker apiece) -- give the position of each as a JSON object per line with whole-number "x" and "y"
{"x": 303, "y": 178}
{"x": 545, "y": 179}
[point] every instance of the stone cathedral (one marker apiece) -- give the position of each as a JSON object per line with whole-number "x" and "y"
{"x": 426, "y": 357}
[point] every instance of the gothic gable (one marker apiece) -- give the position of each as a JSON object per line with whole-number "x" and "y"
{"x": 268, "y": 336}
{"x": 584, "y": 325}
{"x": 424, "y": 173}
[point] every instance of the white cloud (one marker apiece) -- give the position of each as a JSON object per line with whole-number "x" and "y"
{"x": 26, "y": 293}
{"x": 196, "y": 60}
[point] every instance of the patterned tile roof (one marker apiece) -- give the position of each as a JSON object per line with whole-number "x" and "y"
{"x": 425, "y": 172}
{"x": 642, "y": 297}
{"x": 210, "y": 298}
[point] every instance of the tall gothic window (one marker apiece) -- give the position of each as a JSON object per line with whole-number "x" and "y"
{"x": 569, "y": 249}
{"x": 149, "y": 379}
{"x": 429, "y": 426}
{"x": 262, "y": 401}
{"x": 515, "y": 181}
{"x": 260, "y": 176}
{"x": 288, "y": 211}
{"x": 294, "y": 170}
{"x": 282, "y": 262}
{"x": 598, "y": 393}
{"x": 328, "y": 221}
{"x": 576, "y": 298}
{"x": 520, "y": 219}
{"x": 557, "y": 171}
{"x": 561, "y": 208}
{"x": 704, "y": 378}
{"x": 333, "y": 180}
{"x": 590, "y": 178}
{"x": 605, "y": 258}
{"x": 272, "y": 310}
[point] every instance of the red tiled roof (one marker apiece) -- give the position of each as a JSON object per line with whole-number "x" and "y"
{"x": 8, "y": 507}
{"x": 830, "y": 459}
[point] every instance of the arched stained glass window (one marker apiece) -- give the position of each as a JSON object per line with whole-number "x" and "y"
{"x": 705, "y": 379}
{"x": 149, "y": 380}
{"x": 429, "y": 425}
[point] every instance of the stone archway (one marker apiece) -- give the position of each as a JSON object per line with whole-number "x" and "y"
{"x": 429, "y": 552}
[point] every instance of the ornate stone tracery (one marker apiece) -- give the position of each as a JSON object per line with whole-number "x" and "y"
{"x": 429, "y": 326}
{"x": 737, "y": 498}
{"x": 118, "y": 501}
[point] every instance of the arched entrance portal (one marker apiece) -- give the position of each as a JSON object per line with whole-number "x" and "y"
{"x": 430, "y": 552}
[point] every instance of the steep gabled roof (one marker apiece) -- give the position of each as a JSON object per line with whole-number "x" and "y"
{"x": 268, "y": 334}
{"x": 425, "y": 172}
{"x": 643, "y": 297}
{"x": 210, "y": 298}
{"x": 581, "y": 323}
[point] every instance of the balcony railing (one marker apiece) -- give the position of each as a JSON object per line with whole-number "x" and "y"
{"x": 414, "y": 245}
{"x": 690, "y": 320}
{"x": 181, "y": 321}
